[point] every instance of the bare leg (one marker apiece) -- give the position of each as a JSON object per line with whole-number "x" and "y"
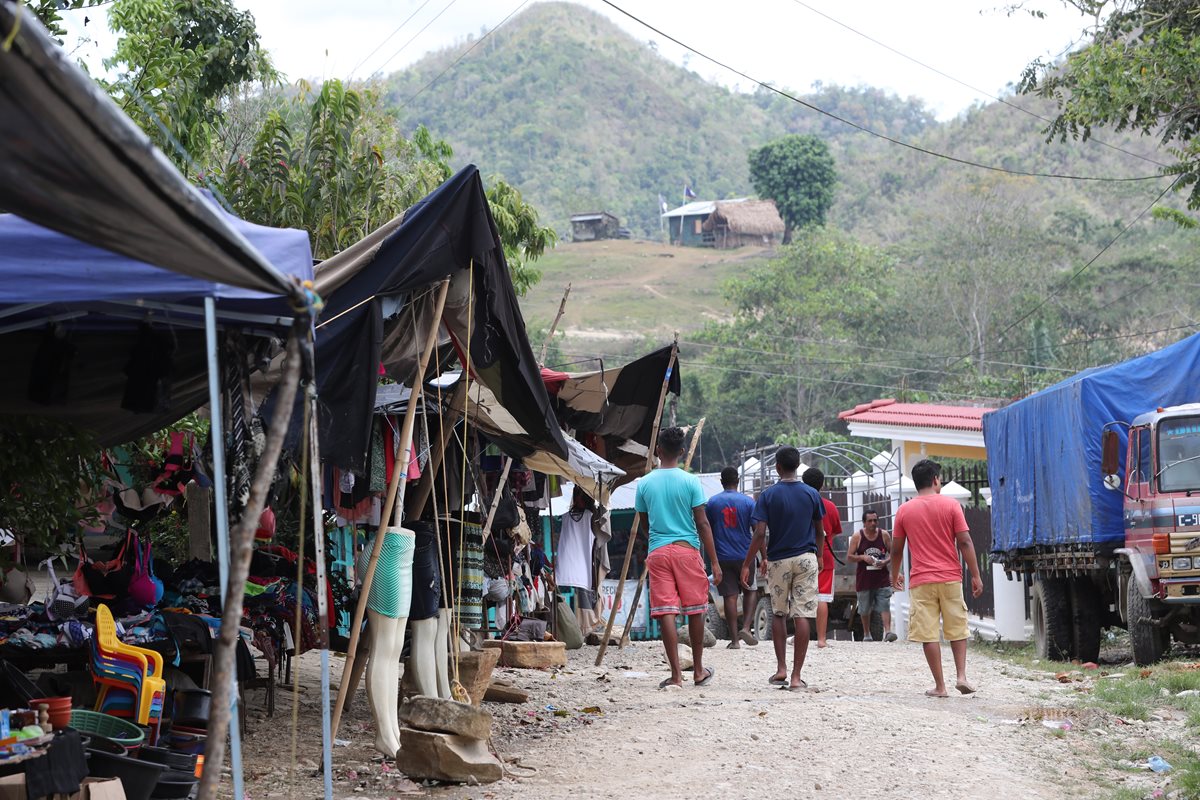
{"x": 822, "y": 623}
{"x": 749, "y": 606}
{"x": 731, "y": 620}
{"x": 779, "y": 639}
{"x": 866, "y": 623}
{"x": 801, "y": 650}
{"x": 933, "y": 657}
{"x": 959, "y": 649}
{"x": 696, "y": 634}
{"x": 670, "y": 638}
{"x": 887, "y": 622}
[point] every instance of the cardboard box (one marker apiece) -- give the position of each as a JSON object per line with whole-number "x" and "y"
{"x": 12, "y": 787}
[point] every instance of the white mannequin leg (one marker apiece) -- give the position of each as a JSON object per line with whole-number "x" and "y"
{"x": 441, "y": 654}
{"x": 383, "y": 679}
{"x": 421, "y": 658}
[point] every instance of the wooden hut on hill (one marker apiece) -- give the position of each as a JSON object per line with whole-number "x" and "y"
{"x": 736, "y": 223}
{"x": 725, "y": 223}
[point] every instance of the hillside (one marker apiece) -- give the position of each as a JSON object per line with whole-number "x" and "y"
{"x": 622, "y": 291}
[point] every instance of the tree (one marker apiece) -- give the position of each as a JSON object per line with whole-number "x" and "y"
{"x": 177, "y": 62}
{"x": 792, "y": 355}
{"x": 524, "y": 239}
{"x": 332, "y": 163}
{"x": 1138, "y": 73}
{"x": 798, "y": 173}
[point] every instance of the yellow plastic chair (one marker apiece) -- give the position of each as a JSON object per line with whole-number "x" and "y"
{"x": 149, "y": 662}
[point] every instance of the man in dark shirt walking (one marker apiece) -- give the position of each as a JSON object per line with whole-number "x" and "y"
{"x": 729, "y": 516}
{"x": 792, "y": 512}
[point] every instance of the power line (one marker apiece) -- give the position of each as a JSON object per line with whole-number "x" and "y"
{"x": 891, "y": 365}
{"x": 948, "y": 76}
{"x": 805, "y": 378}
{"x": 456, "y": 61}
{"x": 1063, "y": 287}
{"x": 863, "y": 128}
{"x": 387, "y": 39}
{"x": 414, "y": 38}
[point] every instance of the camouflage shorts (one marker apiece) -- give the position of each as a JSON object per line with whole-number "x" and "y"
{"x": 793, "y": 586}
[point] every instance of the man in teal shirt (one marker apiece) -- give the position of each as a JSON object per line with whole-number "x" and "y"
{"x": 673, "y": 503}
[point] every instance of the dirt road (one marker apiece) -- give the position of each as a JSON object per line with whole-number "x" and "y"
{"x": 609, "y": 732}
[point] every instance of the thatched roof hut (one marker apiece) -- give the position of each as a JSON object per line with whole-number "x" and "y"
{"x": 741, "y": 222}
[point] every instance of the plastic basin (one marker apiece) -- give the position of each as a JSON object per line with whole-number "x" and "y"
{"x": 137, "y": 777}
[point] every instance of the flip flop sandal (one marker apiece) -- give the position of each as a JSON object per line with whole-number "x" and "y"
{"x": 734, "y": 645}
{"x": 667, "y": 683}
{"x": 964, "y": 687}
{"x": 710, "y": 671}
{"x": 803, "y": 687}
{"x": 748, "y": 638}
{"x": 781, "y": 682}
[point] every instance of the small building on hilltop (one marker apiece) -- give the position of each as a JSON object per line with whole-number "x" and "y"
{"x": 593, "y": 225}
{"x": 725, "y": 223}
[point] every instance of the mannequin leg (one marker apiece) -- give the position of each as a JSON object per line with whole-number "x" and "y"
{"x": 383, "y": 679}
{"x": 421, "y": 658}
{"x": 441, "y": 654}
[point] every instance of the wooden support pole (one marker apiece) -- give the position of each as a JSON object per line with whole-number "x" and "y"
{"x": 420, "y": 496}
{"x": 633, "y": 531}
{"x": 491, "y": 517}
{"x": 637, "y": 593}
{"x": 385, "y": 518}
{"x": 562, "y": 307}
{"x": 241, "y": 546}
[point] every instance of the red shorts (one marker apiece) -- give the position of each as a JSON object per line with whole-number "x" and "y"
{"x": 678, "y": 582}
{"x": 825, "y": 585}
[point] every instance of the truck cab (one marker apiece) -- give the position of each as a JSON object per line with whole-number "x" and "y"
{"x": 1162, "y": 528}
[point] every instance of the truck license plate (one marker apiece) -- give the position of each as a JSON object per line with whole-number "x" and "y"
{"x": 1188, "y": 520}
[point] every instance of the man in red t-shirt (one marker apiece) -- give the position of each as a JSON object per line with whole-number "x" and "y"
{"x": 833, "y": 527}
{"x": 935, "y": 531}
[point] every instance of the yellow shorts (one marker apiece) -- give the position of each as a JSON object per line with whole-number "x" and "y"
{"x": 929, "y": 601}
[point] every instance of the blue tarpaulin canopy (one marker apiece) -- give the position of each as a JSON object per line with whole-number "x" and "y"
{"x": 100, "y": 304}
{"x": 38, "y": 265}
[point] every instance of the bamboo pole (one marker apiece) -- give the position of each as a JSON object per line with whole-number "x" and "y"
{"x": 491, "y": 517}
{"x": 633, "y": 531}
{"x": 420, "y": 496}
{"x": 398, "y": 472}
{"x": 637, "y": 593}
{"x": 562, "y": 307}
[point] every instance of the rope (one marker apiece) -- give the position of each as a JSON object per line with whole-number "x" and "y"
{"x": 456, "y": 613}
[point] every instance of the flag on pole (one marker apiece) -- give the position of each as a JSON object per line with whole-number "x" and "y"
{"x": 688, "y": 193}
{"x": 662, "y": 204}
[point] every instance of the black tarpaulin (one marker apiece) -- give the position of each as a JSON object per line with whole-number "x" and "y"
{"x": 449, "y": 234}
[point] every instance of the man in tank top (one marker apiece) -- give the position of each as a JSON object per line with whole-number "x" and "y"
{"x": 871, "y": 549}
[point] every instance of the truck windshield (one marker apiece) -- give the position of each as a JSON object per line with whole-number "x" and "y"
{"x": 1179, "y": 454}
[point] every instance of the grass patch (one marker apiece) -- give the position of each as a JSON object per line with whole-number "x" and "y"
{"x": 1021, "y": 654}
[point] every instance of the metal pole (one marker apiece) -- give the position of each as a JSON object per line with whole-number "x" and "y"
{"x": 217, "y": 436}
{"x": 314, "y": 463}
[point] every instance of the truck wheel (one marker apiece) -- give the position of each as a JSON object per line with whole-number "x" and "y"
{"x": 1050, "y": 607}
{"x": 715, "y": 622}
{"x": 1085, "y": 617}
{"x": 1149, "y": 641}
{"x": 762, "y": 620}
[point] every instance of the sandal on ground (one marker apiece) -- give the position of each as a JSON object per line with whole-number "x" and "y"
{"x": 708, "y": 676}
{"x": 932, "y": 693}
{"x": 965, "y": 687}
{"x": 734, "y": 645}
{"x": 777, "y": 681}
{"x": 748, "y": 637}
{"x": 803, "y": 687}
{"x": 667, "y": 683}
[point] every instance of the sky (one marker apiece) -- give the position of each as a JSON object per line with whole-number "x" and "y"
{"x": 791, "y": 43}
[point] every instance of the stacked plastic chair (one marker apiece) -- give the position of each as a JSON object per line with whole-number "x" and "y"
{"x": 129, "y": 680}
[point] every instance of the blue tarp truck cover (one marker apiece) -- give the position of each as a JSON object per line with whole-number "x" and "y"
{"x": 1044, "y": 451}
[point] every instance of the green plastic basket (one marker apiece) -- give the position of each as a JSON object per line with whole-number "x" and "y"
{"x": 123, "y": 733}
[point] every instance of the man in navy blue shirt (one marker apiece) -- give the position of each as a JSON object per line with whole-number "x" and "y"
{"x": 791, "y": 511}
{"x": 729, "y": 517}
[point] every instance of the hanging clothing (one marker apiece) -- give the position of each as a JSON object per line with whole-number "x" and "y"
{"x": 573, "y": 560}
